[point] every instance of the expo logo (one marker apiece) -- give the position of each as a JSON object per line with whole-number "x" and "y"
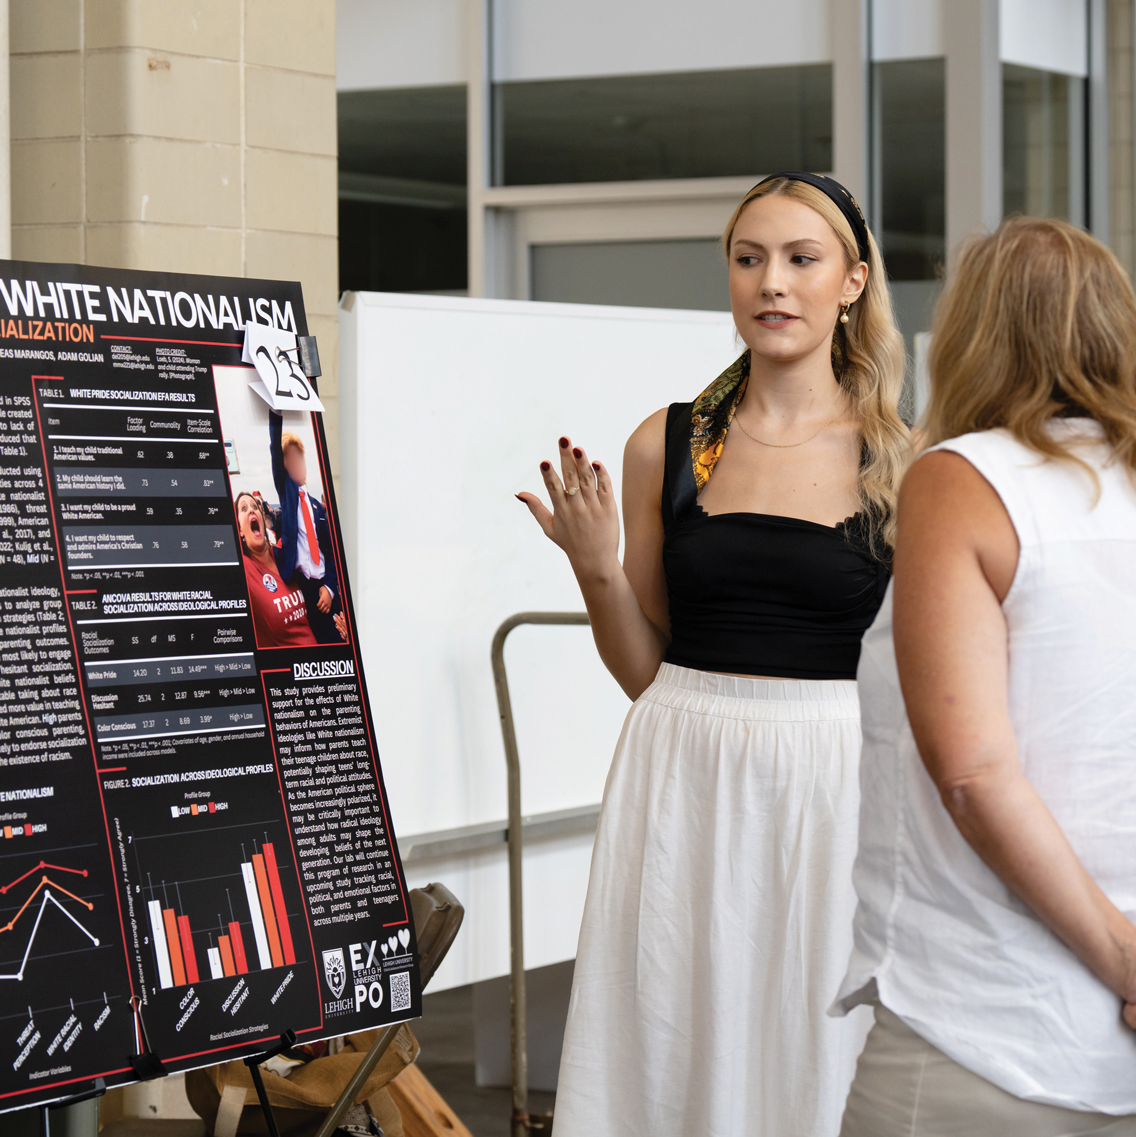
{"x": 366, "y": 970}
{"x": 368, "y": 990}
{"x": 365, "y": 992}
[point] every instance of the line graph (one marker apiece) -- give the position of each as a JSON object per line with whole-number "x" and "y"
{"x": 34, "y": 869}
{"x": 43, "y": 883}
{"x": 51, "y": 891}
{"x": 47, "y": 899}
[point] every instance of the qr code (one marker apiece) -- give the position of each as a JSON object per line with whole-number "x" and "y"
{"x": 400, "y": 991}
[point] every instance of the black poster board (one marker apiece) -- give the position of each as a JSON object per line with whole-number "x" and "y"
{"x": 193, "y": 820}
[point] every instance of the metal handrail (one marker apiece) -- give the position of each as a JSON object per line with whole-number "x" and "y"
{"x": 520, "y": 1125}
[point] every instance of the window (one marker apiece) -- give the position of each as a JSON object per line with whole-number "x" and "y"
{"x": 909, "y": 169}
{"x": 1043, "y": 150}
{"x": 910, "y": 166}
{"x": 648, "y": 274}
{"x": 680, "y": 125}
{"x": 402, "y": 190}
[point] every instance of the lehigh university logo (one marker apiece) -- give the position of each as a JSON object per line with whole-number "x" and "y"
{"x": 335, "y": 970}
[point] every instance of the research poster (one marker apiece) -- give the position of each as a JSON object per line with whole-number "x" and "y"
{"x": 195, "y": 842}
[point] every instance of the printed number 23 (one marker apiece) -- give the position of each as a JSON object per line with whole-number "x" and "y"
{"x": 292, "y": 372}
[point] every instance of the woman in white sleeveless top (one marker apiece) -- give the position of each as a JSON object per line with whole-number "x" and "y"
{"x": 996, "y": 874}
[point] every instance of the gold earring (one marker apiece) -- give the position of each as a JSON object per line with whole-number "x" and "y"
{"x": 844, "y": 313}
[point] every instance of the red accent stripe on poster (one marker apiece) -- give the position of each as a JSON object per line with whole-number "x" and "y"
{"x": 155, "y": 339}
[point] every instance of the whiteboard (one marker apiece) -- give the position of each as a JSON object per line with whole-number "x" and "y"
{"x": 447, "y": 406}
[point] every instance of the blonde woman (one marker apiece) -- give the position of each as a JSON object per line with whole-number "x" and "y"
{"x": 758, "y": 520}
{"x": 997, "y": 863}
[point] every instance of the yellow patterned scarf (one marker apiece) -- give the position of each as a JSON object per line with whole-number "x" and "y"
{"x": 711, "y": 415}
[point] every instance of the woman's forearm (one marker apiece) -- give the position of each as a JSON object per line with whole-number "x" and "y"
{"x": 629, "y": 644}
{"x": 1007, "y": 823}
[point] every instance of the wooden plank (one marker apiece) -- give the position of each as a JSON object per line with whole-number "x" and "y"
{"x": 424, "y": 1110}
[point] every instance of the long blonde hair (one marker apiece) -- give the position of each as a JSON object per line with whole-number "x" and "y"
{"x": 868, "y": 359}
{"x": 1039, "y": 322}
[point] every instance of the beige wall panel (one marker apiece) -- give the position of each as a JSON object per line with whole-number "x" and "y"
{"x": 45, "y": 182}
{"x": 289, "y": 111}
{"x": 314, "y": 261}
{"x": 194, "y": 99}
{"x": 163, "y": 181}
{"x": 293, "y": 192}
{"x": 43, "y": 25}
{"x": 166, "y": 248}
{"x": 298, "y": 35}
{"x": 61, "y": 243}
{"x": 203, "y": 27}
{"x": 45, "y": 95}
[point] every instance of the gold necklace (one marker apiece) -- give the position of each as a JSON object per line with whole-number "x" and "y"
{"x": 787, "y": 445}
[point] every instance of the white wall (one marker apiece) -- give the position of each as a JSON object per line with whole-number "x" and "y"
{"x": 419, "y": 43}
{"x": 906, "y": 29}
{"x": 549, "y": 39}
{"x": 1047, "y": 34}
{"x": 1051, "y": 35}
{"x": 447, "y": 407}
{"x": 399, "y": 43}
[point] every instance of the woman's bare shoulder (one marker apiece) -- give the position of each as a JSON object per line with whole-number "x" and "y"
{"x": 646, "y": 446}
{"x": 943, "y": 483}
{"x": 643, "y": 462}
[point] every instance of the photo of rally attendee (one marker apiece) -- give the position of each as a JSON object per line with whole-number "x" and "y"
{"x": 271, "y": 519}
{"x": 304, "y": 555}
{"x": 279, "y": 612}
{"x": 274, "y": 464}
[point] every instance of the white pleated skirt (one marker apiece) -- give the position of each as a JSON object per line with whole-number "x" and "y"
{"x": 718, "y": 920}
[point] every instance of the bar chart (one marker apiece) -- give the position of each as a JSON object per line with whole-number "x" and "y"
{"x": 222, "y": 945}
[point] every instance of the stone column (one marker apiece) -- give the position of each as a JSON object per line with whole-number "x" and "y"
{"x": 1122, "y": 129}
{"x": 183, "y": 137}
{"x": 974, "y": 118}
{"x": 851, "y": 63}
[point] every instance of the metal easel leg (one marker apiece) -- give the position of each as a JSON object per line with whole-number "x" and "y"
{"x": 253, "y": 1061}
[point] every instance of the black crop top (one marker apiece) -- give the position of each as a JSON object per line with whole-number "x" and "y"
{"x": 756, "y": 594}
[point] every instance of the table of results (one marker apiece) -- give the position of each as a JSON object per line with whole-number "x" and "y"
{"x": 141, "y": 503}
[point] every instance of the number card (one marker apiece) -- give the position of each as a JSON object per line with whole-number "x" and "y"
{"x": 280, "y": 382}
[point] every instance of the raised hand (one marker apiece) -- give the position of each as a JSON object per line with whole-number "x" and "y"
{"x": 584, "y": 519}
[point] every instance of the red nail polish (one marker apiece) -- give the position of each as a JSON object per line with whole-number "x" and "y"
{"x": 545, "y": 467}
{"x": 577, "y": 452}
{"x": 596, "y": 467}
{"x": 564, "y": 444}
{"x": 518, "y": 497}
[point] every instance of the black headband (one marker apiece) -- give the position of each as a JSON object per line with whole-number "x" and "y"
{"x": 840, "y": 197}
